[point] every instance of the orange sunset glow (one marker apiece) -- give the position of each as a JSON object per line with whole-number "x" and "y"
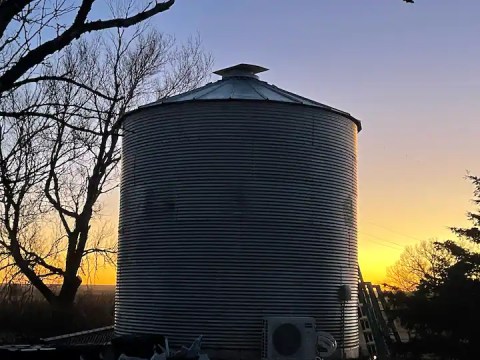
{"x": 381, "y": 235}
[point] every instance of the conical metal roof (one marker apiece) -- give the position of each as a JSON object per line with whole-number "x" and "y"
{"x": 240, "y": 82}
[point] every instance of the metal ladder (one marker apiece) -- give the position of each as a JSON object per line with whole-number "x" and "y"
{"x": 379, "y": 333}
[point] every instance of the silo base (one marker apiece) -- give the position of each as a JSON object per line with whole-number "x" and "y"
{"x": 348, "y": 353}
{"x": 233, "y": 354}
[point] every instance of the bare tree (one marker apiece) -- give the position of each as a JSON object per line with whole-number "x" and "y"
{"x": 32, "y": 30}
{"x": 422, "y": 261}
{"x": 60, "y": 148}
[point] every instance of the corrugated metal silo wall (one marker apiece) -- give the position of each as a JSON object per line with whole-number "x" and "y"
{"x": 234, "y": 210}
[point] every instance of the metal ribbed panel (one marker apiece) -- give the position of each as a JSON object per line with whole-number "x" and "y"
{"x": 234, "y": 210}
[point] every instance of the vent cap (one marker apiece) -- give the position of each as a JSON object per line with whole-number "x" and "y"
{"x": 241, "y": 70}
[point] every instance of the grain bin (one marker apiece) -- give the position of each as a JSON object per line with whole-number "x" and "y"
{"x": 238, "y": 201}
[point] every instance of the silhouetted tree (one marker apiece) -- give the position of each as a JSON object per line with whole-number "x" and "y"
{"x": 60, "y": 149}
{"x": 424, "y": 260}
{"x": 32, "y": 30}
{"x": 443, "y": 313}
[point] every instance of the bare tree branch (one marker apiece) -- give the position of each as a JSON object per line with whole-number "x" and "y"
{"x": 22, "y": 114}
{"x": 423, "y": 260}
{"x": 61, "y": 78}
{"x": 80, "y": 26}
{"x": 58, "y": 172}
{"x": 8, "y": 9}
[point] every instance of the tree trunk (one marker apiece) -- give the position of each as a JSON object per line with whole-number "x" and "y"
{"x": 66, "y": 297}
{"x": 63, "y": 306}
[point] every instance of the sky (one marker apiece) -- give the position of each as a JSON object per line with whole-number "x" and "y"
{"x": 410, "y": 72}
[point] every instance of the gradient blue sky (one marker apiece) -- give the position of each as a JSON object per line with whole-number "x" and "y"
{"x": 411, "y": 73}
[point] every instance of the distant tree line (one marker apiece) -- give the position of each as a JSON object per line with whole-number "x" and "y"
{"x": 437, "y": 295}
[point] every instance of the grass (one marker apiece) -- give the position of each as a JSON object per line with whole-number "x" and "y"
{"x": 28, "y": 320}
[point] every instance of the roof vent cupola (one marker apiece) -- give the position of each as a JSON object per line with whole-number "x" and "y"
{"x": 241, "y": 70}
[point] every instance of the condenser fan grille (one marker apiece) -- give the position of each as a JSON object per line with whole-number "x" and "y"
{"x": 287, "y": 339}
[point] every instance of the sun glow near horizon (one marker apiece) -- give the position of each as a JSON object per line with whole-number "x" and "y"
{"x": 385, "y": 227}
